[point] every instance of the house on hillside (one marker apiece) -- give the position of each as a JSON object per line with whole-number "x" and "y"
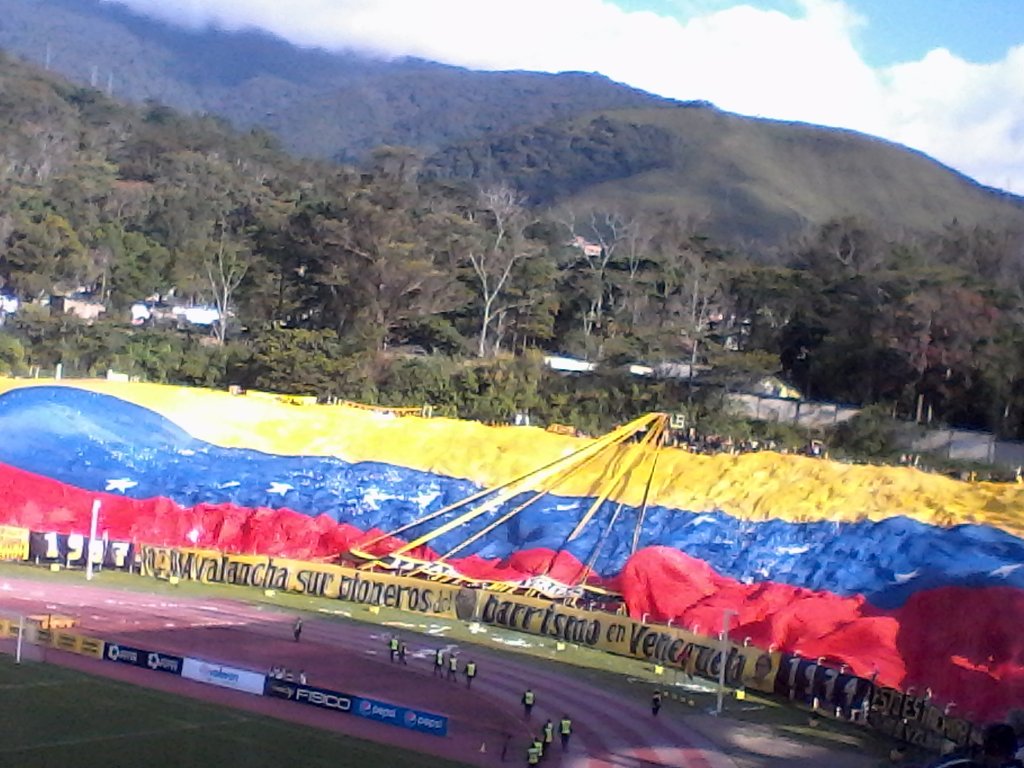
{"x": 80, "y": 305}
{"x": 9, "y": 305}
{"x": 157, "y": 312}
{"x": 590, "y": 250}
{"x": 568, "y": 364}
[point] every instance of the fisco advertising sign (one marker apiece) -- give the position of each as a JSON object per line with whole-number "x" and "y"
{"x": 370, "y": 709}
{"x": 308, "y": 694}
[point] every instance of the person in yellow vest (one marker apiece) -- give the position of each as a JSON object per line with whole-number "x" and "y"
{"x": 470, "y": 673}
{"x": 453, "y": 667}
{"x": 538, "y": 742}
{"x": 549, "y": 734}
{"x": 439, "y": 662}
{"x": 533, "y": 755}
{"x": 393, "y": 647}
{"x": 565, "y": 731}
{"x": 528, "y": 701}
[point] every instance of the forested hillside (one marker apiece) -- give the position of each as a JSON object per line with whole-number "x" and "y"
{"x": 325, "y": 273}
{"x": 739, "y": 178}
{"x": 573, "y": 140}
{"x": 319, "y": 104}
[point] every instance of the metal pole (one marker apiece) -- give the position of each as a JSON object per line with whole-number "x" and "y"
{"x": 21, "y": 633}
{"x": 726, "y": 616}
{"x": 92, "y": 538}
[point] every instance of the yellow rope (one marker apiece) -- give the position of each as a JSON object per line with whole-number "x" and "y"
{"x": 656, "y": 437}
{"x": 642, "y": 515}
{"x": 504, "y": 494}
{"x": 558, "y": 480}
{"x": 610, "y": 486}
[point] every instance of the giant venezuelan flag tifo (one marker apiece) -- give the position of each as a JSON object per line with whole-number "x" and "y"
{"x": 911, "y": 577}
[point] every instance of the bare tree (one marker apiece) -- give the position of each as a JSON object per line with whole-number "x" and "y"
{"x": 494, "y": 258}
{"x": 225, "y": 269}
{"x": 690, "y": 287}
{"x": 596, "y": 238}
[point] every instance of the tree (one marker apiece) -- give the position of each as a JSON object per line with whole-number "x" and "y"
{"x": 225, "y": 268}
{"x": 499, "y": 245}
{"x": 594, "y": 241}
{"x": 44, "y": 256}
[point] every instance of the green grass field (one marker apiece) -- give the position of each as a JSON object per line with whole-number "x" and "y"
{"x": 632, "y": 677}
{"x": 51, "y": 716}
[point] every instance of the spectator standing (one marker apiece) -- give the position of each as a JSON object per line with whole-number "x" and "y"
{"x": 565, "y": 731}
{"x": 529, "y": 699}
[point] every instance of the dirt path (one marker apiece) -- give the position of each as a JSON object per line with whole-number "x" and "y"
{"x": 609, "y": 732}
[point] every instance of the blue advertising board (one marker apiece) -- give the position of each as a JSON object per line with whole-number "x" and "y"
{"x": 371, "y": 709}
{"x": 137, "y": 657}
{"x": 403, "y": 717}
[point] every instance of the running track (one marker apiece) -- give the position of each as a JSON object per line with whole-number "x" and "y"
{"x": 608, "y": 730}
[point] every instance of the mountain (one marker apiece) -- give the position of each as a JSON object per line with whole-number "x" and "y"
{"x": 737, "y": 177}
{"x": 320, "y": 104}
{"x": 570, "y": 139}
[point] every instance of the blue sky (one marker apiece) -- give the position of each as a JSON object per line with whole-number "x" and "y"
{"x": 896, "y": 31}
{"x": 945, "y": 77}
{"x": 980, "y": 31}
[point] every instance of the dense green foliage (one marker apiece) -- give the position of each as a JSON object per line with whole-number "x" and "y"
{"x": 392, "y": 285}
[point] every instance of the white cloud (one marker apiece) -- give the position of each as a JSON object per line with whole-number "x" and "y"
{"x": 742, "y": 58}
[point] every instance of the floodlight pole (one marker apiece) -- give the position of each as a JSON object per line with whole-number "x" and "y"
{"x": 21, "y": 634}
{"x": 92, "y": 537}
{"x": 726, "y": 616}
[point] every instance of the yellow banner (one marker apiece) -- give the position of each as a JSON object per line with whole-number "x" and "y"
{"x": 71, "y": 642}
{"x": 90, "y": 646}
{"x": 666, "y": 646}
{"x": 13, "y": 543}
{"x": 65, "y": 641}
{"x": 313, "y": 579}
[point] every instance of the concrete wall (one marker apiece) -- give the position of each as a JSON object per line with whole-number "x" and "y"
{"x": 805, "y": 413}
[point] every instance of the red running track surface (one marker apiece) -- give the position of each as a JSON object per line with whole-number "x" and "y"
{"x": 609, "y": 731}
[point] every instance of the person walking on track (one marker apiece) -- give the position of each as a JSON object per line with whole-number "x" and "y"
{"x": 470, "y": 673}
{"x": 403, "y": 651}
{"x": 565, "y": 731}
{"x": 439, "y": 662}
{"x": 393, "y": 647}
{"x": 656, "y": 703}
{"x": 549, "y": 734}
{"x": 533, "y": 754}
{"x": 538, "y": 742}
{"x": 528, "y": 701}
{"x": 297, "y": 629}
{"x": 453, "y": 667}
